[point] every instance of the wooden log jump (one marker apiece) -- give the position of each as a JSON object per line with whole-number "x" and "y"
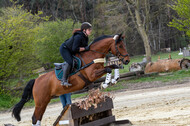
{"x": 167, "y": 65}
{"x": 72, "y": 115}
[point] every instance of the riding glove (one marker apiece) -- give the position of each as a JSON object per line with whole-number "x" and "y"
{"x": 87, "y": 48}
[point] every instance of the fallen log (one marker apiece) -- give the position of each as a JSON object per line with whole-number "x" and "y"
{"x": 167, "y": 65}
{"x": 185, "y": 64}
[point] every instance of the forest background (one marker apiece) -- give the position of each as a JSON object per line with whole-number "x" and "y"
{"x": 31, "y": 31}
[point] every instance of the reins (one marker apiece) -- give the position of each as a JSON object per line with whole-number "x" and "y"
{"x": 99, "y": 60}
{"x": 98, "y": 52}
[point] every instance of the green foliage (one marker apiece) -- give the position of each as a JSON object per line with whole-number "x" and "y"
{"x": 6, "y": 100}
{"x": 50, "y": 37}
{"x": 17, "y": 31}
{"x": 182, "y": 7}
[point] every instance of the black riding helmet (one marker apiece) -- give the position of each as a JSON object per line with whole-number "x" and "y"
{"x": 85, "y": 26}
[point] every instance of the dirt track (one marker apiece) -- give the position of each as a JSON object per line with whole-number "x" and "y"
{"x": 162, "y": 106}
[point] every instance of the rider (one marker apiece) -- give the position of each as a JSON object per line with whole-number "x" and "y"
{"x": 74, "y": 45}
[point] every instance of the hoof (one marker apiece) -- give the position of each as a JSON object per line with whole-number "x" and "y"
{"x": 104, "y": 85}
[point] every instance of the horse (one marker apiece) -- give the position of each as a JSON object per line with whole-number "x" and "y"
{"x": 47, "y": 86}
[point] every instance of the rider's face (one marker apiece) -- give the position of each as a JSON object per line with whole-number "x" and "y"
{"x": 88, "y": 31}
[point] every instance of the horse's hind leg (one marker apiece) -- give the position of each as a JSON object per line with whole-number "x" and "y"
{"x": 36, "y": 121}
{"x": 39, "y": 111}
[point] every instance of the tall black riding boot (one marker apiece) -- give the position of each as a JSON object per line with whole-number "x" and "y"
{"x": 66, "y": 69}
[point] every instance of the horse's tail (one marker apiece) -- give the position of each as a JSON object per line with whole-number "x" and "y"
{"x": 27, "y": 94}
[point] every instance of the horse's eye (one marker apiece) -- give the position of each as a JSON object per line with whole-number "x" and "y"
{"x": 120, "y": 46}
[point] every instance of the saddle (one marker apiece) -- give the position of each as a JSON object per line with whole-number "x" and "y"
{"x": 59, "y": 68}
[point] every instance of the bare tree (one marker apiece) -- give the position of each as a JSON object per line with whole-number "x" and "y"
{"x": 140, "y": 26}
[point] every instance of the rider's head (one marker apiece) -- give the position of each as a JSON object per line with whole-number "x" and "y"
{"x": 86, "y": 28}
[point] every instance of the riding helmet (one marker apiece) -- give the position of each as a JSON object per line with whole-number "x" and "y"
{"x": 85, "y": 25}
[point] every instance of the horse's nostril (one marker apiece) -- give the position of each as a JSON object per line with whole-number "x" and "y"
{"x": 127, "y": 61}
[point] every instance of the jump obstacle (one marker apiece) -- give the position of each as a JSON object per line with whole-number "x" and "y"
{"x": 72, "y": 115}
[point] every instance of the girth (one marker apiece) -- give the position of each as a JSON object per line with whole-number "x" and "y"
{"x": 87, "y": 82}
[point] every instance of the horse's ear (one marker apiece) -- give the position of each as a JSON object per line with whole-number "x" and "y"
{"x": 116, "y": 37}
{"x": 120, "y": 35}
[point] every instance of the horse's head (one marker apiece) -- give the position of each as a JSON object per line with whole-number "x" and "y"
{"x": 118, "y": 49}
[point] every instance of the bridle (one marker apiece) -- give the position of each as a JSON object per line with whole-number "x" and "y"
{"x": 118, "y": 54}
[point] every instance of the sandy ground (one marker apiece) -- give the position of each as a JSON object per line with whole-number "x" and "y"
{"x": 162, "y": 106}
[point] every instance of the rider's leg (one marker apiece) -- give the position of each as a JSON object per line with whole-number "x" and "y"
{"x": 67, "y": 56}
{"x": 68, "y": 99}
{"x": 63, "y": 100}
{"x": 66, "y": 70}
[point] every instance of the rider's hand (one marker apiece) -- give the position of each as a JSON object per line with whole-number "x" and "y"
{"x": 87, "y": 48}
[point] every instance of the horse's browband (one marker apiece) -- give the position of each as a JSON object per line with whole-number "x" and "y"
{"x": 99, "y": 60}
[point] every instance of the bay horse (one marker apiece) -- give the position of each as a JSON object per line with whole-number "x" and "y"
{"x": 46, "y": 86}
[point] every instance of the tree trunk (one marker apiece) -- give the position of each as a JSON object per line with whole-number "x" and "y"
{"x": 140, "y": 28}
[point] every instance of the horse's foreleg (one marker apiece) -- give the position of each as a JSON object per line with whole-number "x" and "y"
{"x": 108, "y": 79}
{"x": 116, "y": 73}
{"x": 101, "y": 72}
{"x": 107, "y": 69}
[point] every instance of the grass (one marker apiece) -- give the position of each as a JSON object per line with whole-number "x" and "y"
{"x": 7, "y": 101}
{"x": 172, "y": 76}
{"x": 115, "y": 87}
{"x": 79, "y": 95}
{"x": 178, "y": 76}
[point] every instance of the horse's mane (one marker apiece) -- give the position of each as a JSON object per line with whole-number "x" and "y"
{"x": 100, "y": 38}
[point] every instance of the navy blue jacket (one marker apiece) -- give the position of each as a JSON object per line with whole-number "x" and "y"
{"x": 79, "y": 39}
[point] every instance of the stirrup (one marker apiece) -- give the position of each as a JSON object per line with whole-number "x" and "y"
{"x": 65, "y": 84}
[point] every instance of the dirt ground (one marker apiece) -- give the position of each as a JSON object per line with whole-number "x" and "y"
{"x": 168, "y": 105}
